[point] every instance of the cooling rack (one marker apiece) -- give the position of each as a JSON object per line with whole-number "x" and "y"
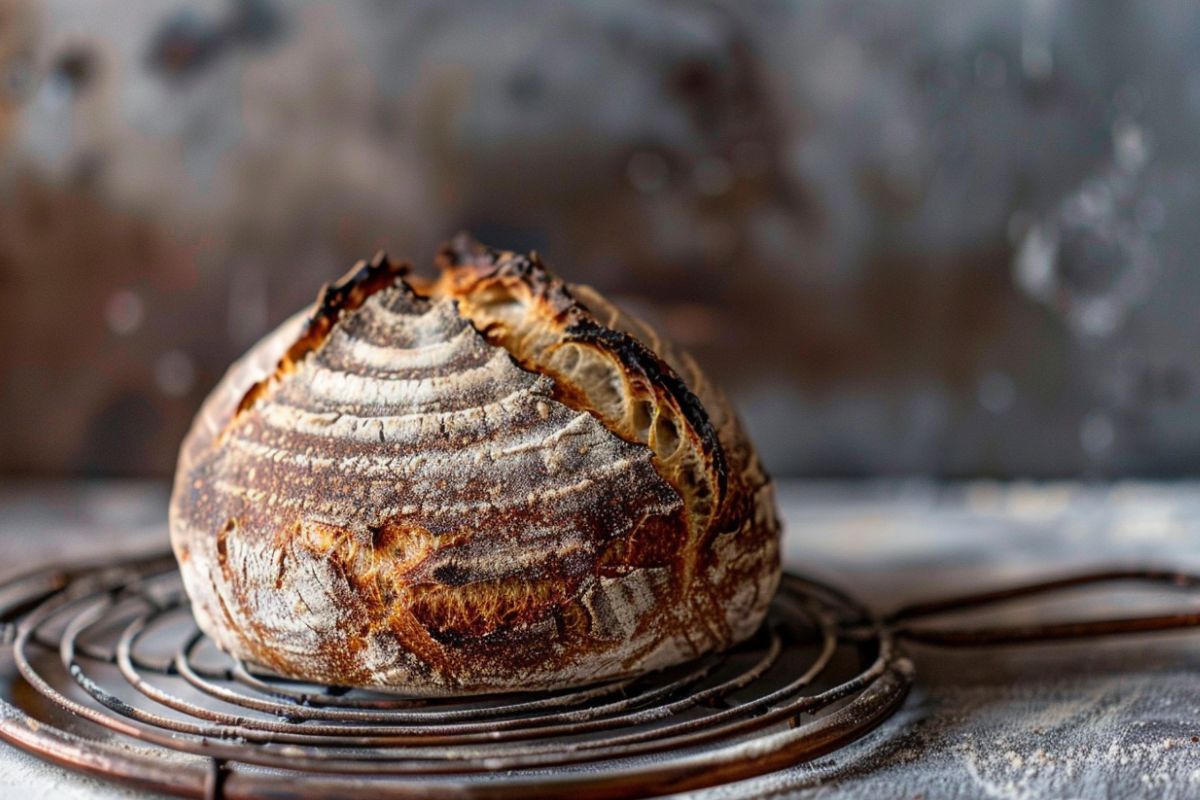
{"x": 104, "y": 671}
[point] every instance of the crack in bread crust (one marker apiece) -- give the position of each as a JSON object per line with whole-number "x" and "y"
{"x": 469, "y": 268}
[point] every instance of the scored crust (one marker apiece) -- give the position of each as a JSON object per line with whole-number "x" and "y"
{"x": 488, "y": 482}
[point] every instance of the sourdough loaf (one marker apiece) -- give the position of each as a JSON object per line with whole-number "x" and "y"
{"x": 489, "y": 481}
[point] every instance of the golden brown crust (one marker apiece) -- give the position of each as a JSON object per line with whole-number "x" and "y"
{"x": 380, "y": 496}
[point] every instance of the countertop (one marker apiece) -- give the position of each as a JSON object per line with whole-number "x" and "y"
{"x": 1113, "y": 718}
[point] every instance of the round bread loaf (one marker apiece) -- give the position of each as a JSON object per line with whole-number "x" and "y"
{"x": 486, "y": 482}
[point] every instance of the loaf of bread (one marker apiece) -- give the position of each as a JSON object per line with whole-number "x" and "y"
{"x": 484, "y": 482}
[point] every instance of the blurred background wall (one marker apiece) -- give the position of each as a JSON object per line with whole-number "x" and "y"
{"x": 948, "y": 238}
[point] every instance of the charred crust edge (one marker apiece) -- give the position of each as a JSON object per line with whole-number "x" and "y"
{"x": 580, "y": 325}
{"x": 635, "y": 356}
{"x": 335, "y": 299}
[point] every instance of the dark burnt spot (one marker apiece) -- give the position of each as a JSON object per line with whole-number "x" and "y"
{"x": 352, "y": 289}
{"x": 383, "y": 537}
{"x": 452, "y": 574}
{"x": 450, "y": 637}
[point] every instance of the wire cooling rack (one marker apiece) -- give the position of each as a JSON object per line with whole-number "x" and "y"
{"x": 106, "y": 672}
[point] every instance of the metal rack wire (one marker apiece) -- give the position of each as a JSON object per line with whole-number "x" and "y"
{"x": 106, "y": 672}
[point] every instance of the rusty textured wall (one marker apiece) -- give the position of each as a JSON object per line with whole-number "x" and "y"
{"x": 928, "y": 237}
